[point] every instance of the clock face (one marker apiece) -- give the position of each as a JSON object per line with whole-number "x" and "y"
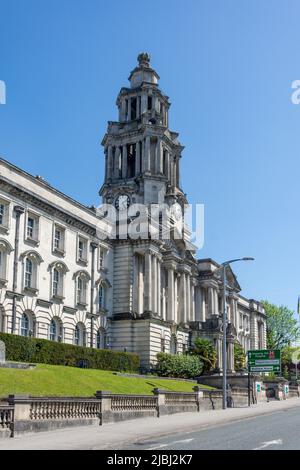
{"x": 122, "y": 202}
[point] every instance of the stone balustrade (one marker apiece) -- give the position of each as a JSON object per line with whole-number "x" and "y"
{"x": 22, "y": 413}
{"x": 6, "y": 420}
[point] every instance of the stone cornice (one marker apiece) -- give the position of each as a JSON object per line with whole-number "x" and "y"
{"x": 51, "y": 209}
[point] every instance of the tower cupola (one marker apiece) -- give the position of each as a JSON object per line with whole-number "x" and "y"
{"x": 143, "y": 73}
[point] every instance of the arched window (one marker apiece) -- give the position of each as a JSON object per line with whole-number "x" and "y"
{"x": 81, "y": 291}
{"x": 5, "y": 250}
{"x": 24, "y": 325}
{"x": 28, "y": 324}
{"x": 101, "y": 339}
{"x": 56, "y": 281}
{"x": 31, "y": 262}
{"x": 102, "y": 297}
{"x": 80, "y": 334}
{"x": 28, "y": 272}
{"x": 58, "y": 271}
{"x": 53, "y": 330}
{"x": 81, "y": 282}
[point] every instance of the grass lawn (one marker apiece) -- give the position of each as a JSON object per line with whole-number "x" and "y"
{"x": 46, "y": 380}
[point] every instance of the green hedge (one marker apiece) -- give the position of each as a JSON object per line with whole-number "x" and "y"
{"x": 184, "y": 366}
{"x": 22, "y": 349}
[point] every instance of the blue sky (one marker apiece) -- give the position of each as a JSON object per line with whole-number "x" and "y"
{"x": 227, "y": 66}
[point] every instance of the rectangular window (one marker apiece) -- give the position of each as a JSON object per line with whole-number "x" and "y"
{"x": 4, "y": 211}
{"x": 79, "y": 290}
{"x": 2, "y": 214}
{"x": 30, "y": 227}
{"x": 149, "y": 103}
{"x": 102, "y": 257}
{"x": 57, "y": 239}
{"x": 55, "y": 287}
{"x": 28, "y": 273}
{"x": 82, "y": 249}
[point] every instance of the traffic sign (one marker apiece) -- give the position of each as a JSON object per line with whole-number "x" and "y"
{"x": 264, "y": 360}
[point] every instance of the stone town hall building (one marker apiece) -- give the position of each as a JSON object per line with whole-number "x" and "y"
{"x": 60, "y": 281}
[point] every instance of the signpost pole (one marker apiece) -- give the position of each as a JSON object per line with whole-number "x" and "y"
{"x": 248, "y": 381}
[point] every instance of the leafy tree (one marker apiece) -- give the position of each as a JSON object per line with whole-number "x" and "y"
{"x": 205, "y": 349}
{"x": 239, "y": 356}
{"x": 282, "y": 326}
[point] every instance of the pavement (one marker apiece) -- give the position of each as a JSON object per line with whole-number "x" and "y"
{"x": 263, "y": 426}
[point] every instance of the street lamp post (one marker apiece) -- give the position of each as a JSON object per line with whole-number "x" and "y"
{"x": 224, "y": 354}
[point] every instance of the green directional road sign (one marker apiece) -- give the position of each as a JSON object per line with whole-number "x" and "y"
{"x": 264, "y": 360}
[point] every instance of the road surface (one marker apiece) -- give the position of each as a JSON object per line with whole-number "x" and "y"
{"x": 277, "y": 431}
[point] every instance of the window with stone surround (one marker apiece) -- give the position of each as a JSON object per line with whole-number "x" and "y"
{"x": 5, "y": 250}
{"x": 80, "y": 334}
{"x": 58, "y": 272}
{"x": 81, "y": 279}
{"x": 59, "y": 239}
{"x": 82, "y": 250}
{"x": 4, "y": 215}
{"x": 31, "y": 262}
{"x": 32, "y": 228}
{"x": 55, "y": 329}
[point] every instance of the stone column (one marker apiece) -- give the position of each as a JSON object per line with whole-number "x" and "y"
{"x": 192, "y": 317}
{"x": 203, "y": 304}
{"x": 216, "y": 307}
{"x": 147, "y": 282}
{"x": 167, "y": 173}
{"x": 138, "y": 107}
{"x": 210, "y": 301}
{"x": 230, "y": 356}
{"x": 163, "y": 307}
{"x": 109, "y": 162}
{"x": 124, "y": 161}
{"x": 175, "y": 300}
{"x": 154, "y": 283}
{"x": 129, "y": 110}
{"x": 159, "y": 156}
{"x": 117, "y": 155}
{"x": 141, "y": 284}
{"x": 188, "y": 297}
{"x": 232, "y": 312}
{"x": 147, "y": 154}
{"x": 170, "y": 313}
{"x": 183, "y": 298}
{"x": 123, "y": 111}
{"x": 158, "y": 288}
{"x": 198, "y": 303}
{"x": 137, "y": 159}
{"x": 144, "y": 102}
{"x": 177, "y": 172}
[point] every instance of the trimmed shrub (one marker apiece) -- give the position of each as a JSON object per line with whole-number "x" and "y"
{"x": 22, "y": 349}
{"x": 184, "y": 366}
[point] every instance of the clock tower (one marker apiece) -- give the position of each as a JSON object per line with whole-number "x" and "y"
{"x": 142, "y": 156}
{"x": 152, "y": 277}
